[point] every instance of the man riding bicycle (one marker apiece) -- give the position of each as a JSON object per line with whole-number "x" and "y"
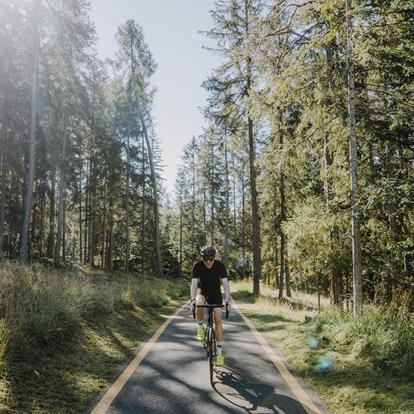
{"x": 205, "y": 288}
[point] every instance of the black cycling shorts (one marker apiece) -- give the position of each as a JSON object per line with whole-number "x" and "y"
{"x": 213, "y": 299}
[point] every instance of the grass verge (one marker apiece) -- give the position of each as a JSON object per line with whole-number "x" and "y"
{"x": 64, "y": 336}
{"x": 363, "y": 367}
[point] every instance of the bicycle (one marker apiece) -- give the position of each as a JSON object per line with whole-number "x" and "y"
{"x": 210, "y": 338}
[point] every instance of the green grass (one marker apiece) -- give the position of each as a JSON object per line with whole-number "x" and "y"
{"x": 368, "y": 364}
{"x": 64, "y": 336}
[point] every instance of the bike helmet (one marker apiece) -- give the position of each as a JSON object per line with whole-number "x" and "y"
{"x": 208, "y": 251}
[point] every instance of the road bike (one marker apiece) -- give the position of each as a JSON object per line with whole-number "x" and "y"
{"x": 210, "y": 344}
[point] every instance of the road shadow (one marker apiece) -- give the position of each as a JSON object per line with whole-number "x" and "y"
{"x": 251, "y": 396}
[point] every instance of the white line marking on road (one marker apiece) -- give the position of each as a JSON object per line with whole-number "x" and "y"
{"x": 300, "y": 393}
{"x": 106, "y": 401}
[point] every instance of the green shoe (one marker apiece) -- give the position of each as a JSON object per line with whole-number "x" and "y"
{"x": 220, "y": 360}
{"x": 201, "y": 333}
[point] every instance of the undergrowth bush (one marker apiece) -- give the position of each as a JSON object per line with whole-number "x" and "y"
{"x": 153, "y": 294}
{"x": 4, "y": 342}
{"x": 42, "y": 307}
{"x": 382, "y": 335}
{"x": 96, "y": 300}
{"x": 52, "y": 317}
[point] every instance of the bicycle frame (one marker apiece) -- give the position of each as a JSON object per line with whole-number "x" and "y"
{"x": 210, "y": 338}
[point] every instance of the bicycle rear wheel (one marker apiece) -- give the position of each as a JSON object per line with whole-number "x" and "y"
{"x": 213, "y": 351}
{"x": 206, "y": 343}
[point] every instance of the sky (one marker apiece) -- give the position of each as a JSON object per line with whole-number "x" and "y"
{"x": 171, "y": 31}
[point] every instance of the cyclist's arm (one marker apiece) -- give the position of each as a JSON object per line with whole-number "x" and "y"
{"x": 226, "y": 285}
{"x": 193, "y": 290}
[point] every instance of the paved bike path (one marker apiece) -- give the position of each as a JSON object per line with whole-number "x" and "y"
{"x": 174, "y": 378}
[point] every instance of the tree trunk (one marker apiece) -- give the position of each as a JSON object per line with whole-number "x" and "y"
{"x": 2, "y": 200}
{"x": 193, "y": 188}
{"x": 51, "y": 236}
{"x": 61, "y": 197}
{"x": 234, "y": 198}
{"x": 204, "y": 215}
{"x": 276, "y": 265}
{"x": 181, "y": 229}
{"x": 243, "y": 221}
{"x": 87, "y": 213}
{"x": 212, "y": 196}
{"x": 347, "y": 292}
{"x": 282, "y": 220}
{"x": 15, "y": 208}
{"x": 226, "y": 229}
{"x": 126, "y": 263}
{"x": 156, "y": 205}
{"x": 35, "y": 213}
{"x": 318, "y": 284}
{"x": 104, "y": 227}
{"x": 287, "y": 272}
{"x": 276, "y": 224}
{"x": 42, "y": 220}
{"x": 143, "y": 207}
{"x": 408, "y": 265}
{"x": 64, "y": 232}
{"x": 282, "y": 264}
{"x": 33, "y": 110}
{"x": 3, "y": 156}
{"x": 356, "y": 245}
{"x": 80, "y": 216}
{"x": 257, "y": 260}
{"x": 110, "y": 263}
{"x": 336, "y": 283}
{"x": 91, "y": 214}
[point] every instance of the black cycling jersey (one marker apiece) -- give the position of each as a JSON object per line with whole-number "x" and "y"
{"x": 209, "y": 279}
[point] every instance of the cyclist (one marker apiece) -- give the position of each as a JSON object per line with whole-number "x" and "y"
{"x": 205, "y": 287}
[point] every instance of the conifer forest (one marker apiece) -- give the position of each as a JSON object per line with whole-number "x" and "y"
{"x": 304, "y": 174}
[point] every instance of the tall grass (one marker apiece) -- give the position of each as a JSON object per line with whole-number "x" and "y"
{"x": 42, "y": 308}
{"x": 383, "y": 335}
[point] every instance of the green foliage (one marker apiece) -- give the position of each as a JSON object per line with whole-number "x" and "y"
{"x": 4, "y": 343}
{"x": 384, "y": 336}
{"x": 96, "y": 301}
{"x": 38, "y": 311}
{"x": 327, "y": 353}
{"x": 90, "y": 114}
{"x": 297, "y": 95}
{"x": 305, "y": 104}
{"x": 47, "y": 309}
{"x": 69, "y": 332}
{"x": 207, "y": 200}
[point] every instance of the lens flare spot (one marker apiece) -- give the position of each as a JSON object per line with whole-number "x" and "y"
{"x": 313, "y": 343}
{"x": 324, "y": 364}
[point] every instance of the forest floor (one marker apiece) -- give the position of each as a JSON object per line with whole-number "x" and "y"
{"x": 345, "y": 381}
{"x": 65, "y": 376}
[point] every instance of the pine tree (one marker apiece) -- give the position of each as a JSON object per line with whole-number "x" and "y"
{"x": 232, "y": 84}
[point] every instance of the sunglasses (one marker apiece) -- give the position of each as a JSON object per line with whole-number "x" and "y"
{"x": 208, "y": 258}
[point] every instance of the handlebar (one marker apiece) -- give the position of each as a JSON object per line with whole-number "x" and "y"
{"x": 210, "y": 306}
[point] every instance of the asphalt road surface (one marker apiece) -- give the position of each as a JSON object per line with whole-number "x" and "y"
{"x": 173, "y": 378}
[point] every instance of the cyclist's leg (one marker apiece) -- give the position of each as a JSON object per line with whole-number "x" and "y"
{"x": 200, "y": 300}
{"x": 219, "y": 324}
{"x": 218, "y": 300}
{"x": 219, "y": 337}
{"x": 201, "y": 331}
